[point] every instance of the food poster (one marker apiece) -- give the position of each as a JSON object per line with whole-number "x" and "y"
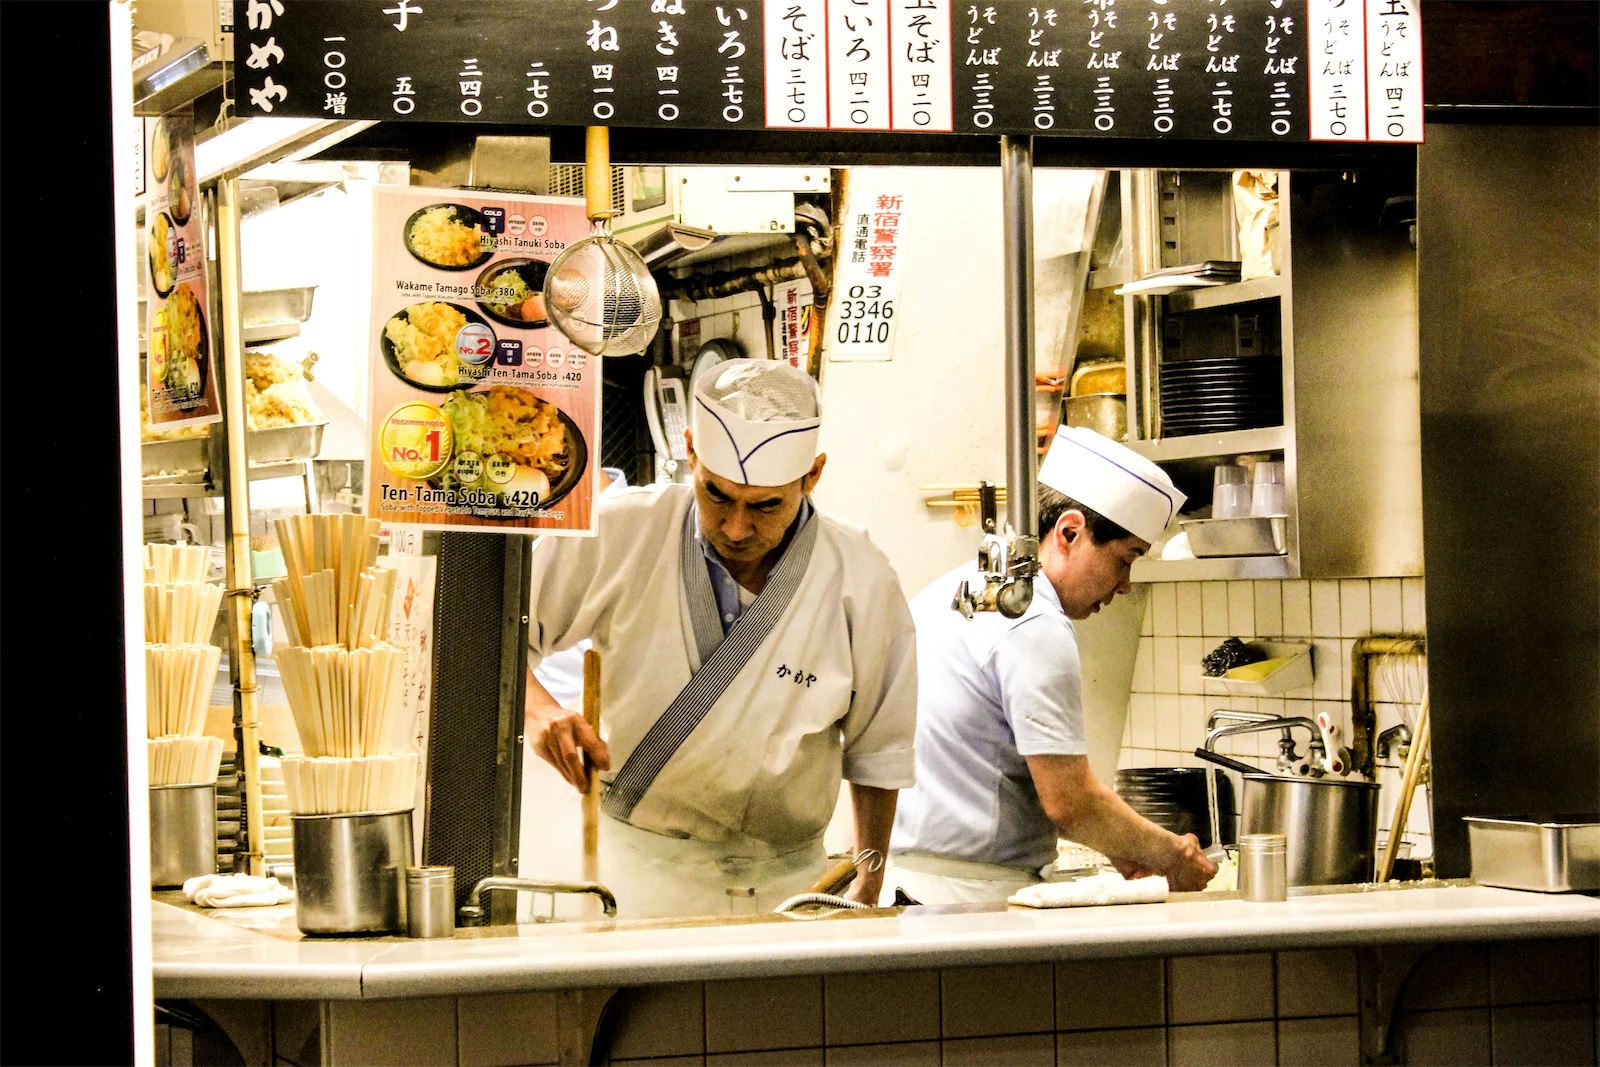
{"x": 180, "y": 373}
{"x": 482, "y": 414}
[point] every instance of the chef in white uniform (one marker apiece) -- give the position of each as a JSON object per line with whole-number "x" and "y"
{"x": 1002, "y": 756}
{"x": 754, "y": 652}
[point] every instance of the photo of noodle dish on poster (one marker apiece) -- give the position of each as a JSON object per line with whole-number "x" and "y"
{"x": 481, "y": 415}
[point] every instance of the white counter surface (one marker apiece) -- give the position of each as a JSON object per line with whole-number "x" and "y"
{"x": 196, "y": 955}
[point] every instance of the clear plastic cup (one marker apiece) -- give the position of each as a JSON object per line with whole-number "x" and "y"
{"x": 1228, "y": 474}
{"x": 1231, "y": 501}
{"x": 1269, "y": 473}
{"x": 1267, "y": 498}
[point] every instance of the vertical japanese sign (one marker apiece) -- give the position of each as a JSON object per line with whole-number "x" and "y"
{"x": 796, "y": 44}
{"x": 1394, "y": 71}
{"x": 481, "y": 413}
{"x": 1338, "y": 72}
{"x": 919, "y": 36}
{"x": 792, "y": 328}
{"x": 180, "y": 369}
{"x": 858, "y": 64}
{"x": 866, "y": 283}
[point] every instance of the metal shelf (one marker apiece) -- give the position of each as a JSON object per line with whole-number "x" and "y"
{"x": 1205, "y": 445}
{"x": 1214, "y": 570}
{"x": 1225, "y": 295}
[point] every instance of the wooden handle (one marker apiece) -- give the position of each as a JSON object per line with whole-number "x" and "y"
{"x": 591, "y": 796}
{"x": 835, "y": 878}
{"x": 1408, "y": 785}
{"x": 597, "y": 171}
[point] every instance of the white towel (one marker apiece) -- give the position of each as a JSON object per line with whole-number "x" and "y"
{"x": 236, "y": 891}
{"x": 1107, "y": 887}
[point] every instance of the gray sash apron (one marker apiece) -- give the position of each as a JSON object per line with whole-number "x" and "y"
{"x": 721, "y": 658}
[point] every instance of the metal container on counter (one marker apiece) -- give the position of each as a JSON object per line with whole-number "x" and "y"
{"x": 1331, "y": 825}
{"x": 1263, "y": 868}
{"x": 350, "y": 872}
{"x": 183, "y": 833}
{"x": 431, "y": 901}
{"x": 1543, "y": 853}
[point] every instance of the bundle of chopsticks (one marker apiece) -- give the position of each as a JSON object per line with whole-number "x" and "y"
{"x": 169, "y": 564}
{"x": 334, "y": 593}
{"x": 180, "y": 613}
{"x": 177, "y": 686}
{"x": 345, "y": 703}
{"x": 184, "y": 760}
{"x": 324, "y": 786}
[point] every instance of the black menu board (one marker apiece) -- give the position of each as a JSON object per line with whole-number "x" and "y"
{"x": 1237, "y": 70}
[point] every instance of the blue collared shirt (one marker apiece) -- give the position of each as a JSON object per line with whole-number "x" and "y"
{"x": 991, "y": 691}
{"x": 723, "y": 586}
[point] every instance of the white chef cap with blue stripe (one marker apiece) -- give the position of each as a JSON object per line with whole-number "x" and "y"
{"x": 757, "y": 421}
{"x": 1113, "y": 480}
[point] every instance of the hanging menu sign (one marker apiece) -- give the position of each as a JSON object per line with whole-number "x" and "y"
{"x": 180, "y": 372}
{"x": 1234, "y": 70}
{"x": 481, "y": 413}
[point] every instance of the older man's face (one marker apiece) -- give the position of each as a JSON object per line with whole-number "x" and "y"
{"x": 745, "y": 522}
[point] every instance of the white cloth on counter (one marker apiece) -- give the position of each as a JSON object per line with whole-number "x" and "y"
{"x": 236, "y": 891}
{"x": 1107, "y": 887}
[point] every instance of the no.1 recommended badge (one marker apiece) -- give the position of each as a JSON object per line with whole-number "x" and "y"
{"x": 416, "y": 441}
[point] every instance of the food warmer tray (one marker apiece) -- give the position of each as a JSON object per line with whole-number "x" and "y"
{"x": 189, "y": 454}
{"x": 286, "y": 444}
{"x": 1544, "y": 853}
{"x": 269, "y": 314}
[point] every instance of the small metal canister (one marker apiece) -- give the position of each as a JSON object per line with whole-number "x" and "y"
{"x": 1264, "y": 867}
{"x": 431, "y": 901}
{"x": 183, "y": 832}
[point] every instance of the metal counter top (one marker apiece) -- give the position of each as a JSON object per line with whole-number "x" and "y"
{"x": 197, "y": 956}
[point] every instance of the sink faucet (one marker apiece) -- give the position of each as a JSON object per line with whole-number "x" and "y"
{"x": 1251, "y": 722}
{"x": 1399, "y": 731}
{"x": 475, "y": 913}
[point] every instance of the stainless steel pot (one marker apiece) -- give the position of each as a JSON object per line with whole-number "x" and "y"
{"x": 1331, "y": 825}
{"x": 350, "y": 872}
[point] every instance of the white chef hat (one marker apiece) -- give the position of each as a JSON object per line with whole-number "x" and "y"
{"x": 757, "y": 421}
{"x": 1111, "y": 479}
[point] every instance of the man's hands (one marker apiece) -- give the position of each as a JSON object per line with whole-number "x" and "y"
{"x": 561, "y": 737}
{"x": 1188, "y": 871}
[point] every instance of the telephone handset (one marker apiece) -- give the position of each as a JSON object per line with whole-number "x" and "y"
{"x": 666, "y": 411}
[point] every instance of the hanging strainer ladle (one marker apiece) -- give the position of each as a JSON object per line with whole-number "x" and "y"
{"x": 598, "y": 291}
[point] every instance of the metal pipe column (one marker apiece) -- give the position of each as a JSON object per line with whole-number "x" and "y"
{"x": 1016, "y": 175}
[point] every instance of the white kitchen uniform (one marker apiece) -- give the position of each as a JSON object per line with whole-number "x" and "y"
{"x": 829, "y": 692}
{"x": 995, "y": 691}
{"x": 992, "y": 691}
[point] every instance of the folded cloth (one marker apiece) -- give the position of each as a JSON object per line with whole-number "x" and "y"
{"x": 236, "y": 891}
{"x": 1107, "y": 887}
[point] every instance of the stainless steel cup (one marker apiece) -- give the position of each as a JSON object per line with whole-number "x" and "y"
{"x": 350, "y": 872}
{"x": 430, "y": 901}
{"x": 183, "y": 832}
{"x": 1264, "y": 867}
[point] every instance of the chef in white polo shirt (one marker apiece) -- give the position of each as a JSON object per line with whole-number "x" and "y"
{"x": 1002, "y": 757}
{"x": 754, "y": 652}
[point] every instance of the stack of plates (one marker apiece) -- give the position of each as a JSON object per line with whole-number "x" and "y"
{"x": 1221, "y": 394}
{"x": 1174, "y": 798}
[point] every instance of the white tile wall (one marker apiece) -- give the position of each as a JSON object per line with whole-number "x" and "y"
{"x": 1186, "y": 620}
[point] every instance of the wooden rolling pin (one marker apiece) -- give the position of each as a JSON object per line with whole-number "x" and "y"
{"x": 591, "y": 796}
{"x": 835, "y": 878}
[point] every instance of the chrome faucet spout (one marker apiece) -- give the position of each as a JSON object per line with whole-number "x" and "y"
{"x": 475, "y": 912}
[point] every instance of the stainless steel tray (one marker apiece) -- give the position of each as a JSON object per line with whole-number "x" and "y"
{"x": 268, "y": 314}
{"x": 191, "y": 454}
{"x": 1252, "y": 536}
{"x": 284, "y": 444}
{"x": 1542, "y": 853}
